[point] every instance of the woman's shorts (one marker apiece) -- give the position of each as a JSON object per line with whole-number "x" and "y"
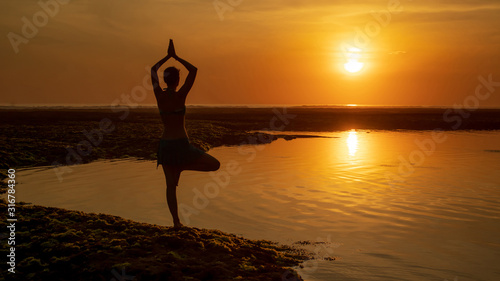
{"x": 177, "y": 152}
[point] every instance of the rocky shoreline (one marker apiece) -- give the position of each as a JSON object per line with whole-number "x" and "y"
{"x": 58, "y": 244}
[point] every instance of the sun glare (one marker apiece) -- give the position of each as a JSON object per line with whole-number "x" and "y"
{"x": 352, "y": 142}
{"x": 353, "y": 64}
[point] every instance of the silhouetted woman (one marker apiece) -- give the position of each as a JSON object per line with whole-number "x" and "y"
{"x": 175, "y": 153}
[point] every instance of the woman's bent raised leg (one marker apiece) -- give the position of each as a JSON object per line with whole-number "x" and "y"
{"x": 205, "y": 163}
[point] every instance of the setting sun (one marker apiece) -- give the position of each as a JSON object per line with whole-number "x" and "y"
{"x": 353, "y": 64}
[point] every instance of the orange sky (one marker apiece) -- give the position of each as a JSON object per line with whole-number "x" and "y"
{"x": 256, "y": 52}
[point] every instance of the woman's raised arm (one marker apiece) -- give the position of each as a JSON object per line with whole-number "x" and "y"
{"x": 184, "y": 90}
{"x": 154, "y": 74}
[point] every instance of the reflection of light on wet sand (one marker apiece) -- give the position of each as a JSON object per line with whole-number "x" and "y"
{"x": 352, "y": 143}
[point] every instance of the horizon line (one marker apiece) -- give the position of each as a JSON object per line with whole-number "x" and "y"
{"x": 96, "y": 105}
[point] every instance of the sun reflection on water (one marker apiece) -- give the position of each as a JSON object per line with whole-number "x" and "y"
{"x": 352, "y": 142}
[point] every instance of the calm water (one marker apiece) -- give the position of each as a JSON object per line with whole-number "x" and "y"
{"x": 387, "y": 208}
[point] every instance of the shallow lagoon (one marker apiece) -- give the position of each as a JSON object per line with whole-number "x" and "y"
{"x": 388, "y": 208}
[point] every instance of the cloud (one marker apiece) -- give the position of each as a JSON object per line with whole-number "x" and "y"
{"x": 397, "y": 53}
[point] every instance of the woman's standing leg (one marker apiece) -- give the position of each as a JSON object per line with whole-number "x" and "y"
{"x": 172, "y": 175}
